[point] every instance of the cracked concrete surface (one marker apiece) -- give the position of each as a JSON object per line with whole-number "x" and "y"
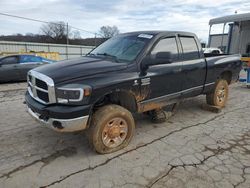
{"x": 195, "y": 148}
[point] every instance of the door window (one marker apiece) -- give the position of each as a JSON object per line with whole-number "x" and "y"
{"x": 9, "y": 60}
{"x": 167, "y": 45}
{"x": 190, "y": 49}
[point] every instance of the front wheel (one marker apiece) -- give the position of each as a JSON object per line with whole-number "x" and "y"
{"x": 218, "y": 97}
{"x": 112, "y": 127}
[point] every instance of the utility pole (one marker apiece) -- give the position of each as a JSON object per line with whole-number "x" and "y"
{"x": 95, "y": 39}
{"x": 67, "y": 30}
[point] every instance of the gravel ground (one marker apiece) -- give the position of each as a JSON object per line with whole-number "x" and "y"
{"x": 194, "y": 148}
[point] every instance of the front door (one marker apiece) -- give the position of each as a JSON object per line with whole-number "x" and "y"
{"x": 8, "y": 69}
{"x": 163, "y": 82}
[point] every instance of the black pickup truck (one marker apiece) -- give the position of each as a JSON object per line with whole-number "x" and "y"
{"x": 131, "y": 73}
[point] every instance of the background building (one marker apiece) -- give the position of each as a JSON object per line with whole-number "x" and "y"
{"x": 234, "y": 36}
{"x": 46, "y": 50}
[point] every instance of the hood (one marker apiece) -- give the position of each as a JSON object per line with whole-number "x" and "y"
{"x": 76, "y": 68}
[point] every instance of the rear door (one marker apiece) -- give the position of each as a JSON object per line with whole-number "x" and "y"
{"x": 8, "y": 69}
{"x": 193, "y": 68}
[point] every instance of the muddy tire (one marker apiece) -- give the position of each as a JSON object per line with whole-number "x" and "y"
{"x": 112, "y": 128}
{"x": 218, "y": 97}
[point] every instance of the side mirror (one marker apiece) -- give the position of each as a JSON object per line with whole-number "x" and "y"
{"x": 157, "y": 59}
{"x": 164, "y": 57}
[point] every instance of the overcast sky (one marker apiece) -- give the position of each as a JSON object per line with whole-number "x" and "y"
{"x": 127, "y": 15}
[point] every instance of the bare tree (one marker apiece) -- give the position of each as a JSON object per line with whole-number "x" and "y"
{"x": 30, "y": 34}
{"x": 108, "y": 31}
{"x": 57, "y": 31}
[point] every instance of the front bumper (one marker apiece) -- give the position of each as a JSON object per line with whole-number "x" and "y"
{"x": 57, "y": 117}
{"x": 62, "y": 125}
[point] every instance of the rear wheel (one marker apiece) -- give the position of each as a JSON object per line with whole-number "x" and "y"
{"x": 219, "y": 96}
{"x": 111, "y": 129}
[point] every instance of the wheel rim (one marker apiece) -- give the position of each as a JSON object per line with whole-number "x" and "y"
{"x": 221, "y": 94}
{"x": 115, "y": 132}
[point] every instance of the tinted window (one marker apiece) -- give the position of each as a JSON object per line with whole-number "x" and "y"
{"x": 9, "y": 60}
{"x": 29, "y": 58}
{"x": 190, "y": 49}
{"x": 166, "y": 45}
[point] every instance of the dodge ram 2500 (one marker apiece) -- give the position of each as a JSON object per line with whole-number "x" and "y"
{"x": 129, "y": 73}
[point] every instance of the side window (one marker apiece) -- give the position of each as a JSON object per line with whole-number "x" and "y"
{"x": 167, "y": 45}
{"x": 9, "y": 60}
{"x": 190, "y": 49}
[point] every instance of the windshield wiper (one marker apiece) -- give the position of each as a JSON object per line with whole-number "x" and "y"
{"x": 108, "y": 55}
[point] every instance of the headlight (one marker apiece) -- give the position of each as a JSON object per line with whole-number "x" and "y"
{"x": 72, "y": 95}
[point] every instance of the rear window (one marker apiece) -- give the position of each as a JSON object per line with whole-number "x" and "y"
{"x": 215, "y": 52}
{"x": 28, "y": 58}
{"x": 190, "y": 49}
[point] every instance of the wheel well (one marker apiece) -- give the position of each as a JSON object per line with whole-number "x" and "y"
{"x": 227, "y": 75}
{"x": 122, "y": 98}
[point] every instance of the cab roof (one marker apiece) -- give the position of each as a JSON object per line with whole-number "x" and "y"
{"x": 159, "y": 32}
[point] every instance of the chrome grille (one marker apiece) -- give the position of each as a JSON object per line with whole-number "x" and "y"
{"x": 43, "y": 96}
{"x": 41, "y": 87}
{"x": 41, "y": 84}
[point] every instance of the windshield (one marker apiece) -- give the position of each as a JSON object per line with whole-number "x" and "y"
{"x": 121, "y": 48}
